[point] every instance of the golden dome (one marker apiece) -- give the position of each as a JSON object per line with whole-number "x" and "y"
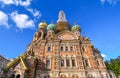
{"x": 43, "y": 24}
{"x": 61, "y": 26}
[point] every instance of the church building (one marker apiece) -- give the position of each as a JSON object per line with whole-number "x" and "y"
{"x": 59, "y": 51}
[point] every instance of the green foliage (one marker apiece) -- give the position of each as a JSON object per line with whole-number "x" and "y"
{"x": 114, "y": 65}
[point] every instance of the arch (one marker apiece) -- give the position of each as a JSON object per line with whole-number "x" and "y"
{"x": 73, "y": 56}
{"x": 48, "y": 57}
{"x": 66, "y": 35}
{"x": 75, "y": 76}
{"x": 39, "y": 34}
{"x": 12, "y": 76}
{"x": 102, "y": 76}
{"x": 63, "y": 76}
{"x": 63, "y": 56}
{"x": 68, "y": 56}
{"x": 18, "y": 76}
{"x": 18, "y": 71}
{"x": 90, "y": 76}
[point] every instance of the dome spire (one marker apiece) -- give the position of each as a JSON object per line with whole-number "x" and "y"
{"x": 61, "y": 17}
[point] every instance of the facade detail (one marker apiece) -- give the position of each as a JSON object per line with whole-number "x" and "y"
{"x": 59, "y": 51}
{"x": 3, "y": 63}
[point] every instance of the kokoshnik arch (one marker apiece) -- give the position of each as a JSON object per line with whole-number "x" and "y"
{"x": 59, "y": 51}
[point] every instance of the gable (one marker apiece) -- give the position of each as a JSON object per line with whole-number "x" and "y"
{"x": 66, "y": 35}
{"x": 17, "y": 62}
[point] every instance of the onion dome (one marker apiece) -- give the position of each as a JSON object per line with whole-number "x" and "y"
{"x": 51, "y": 27}
{"x": 76, "y": 28}
{"x": 62, "y": 23}
{"x": 61, "y": 26}
{"x": 42, "y": 24}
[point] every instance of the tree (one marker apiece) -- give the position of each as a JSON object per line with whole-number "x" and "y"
{"x": 114, "y": 65}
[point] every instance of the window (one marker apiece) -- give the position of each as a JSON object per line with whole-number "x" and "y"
{"x": 47, "y": 63}
{"x": 61, "y": 48}
{"x": 67, "y": 62}
{"x": 66, "y": 48}
{"x": 73, "y": 62}
{"x": 49, "y": 48}
{"x": 62, "y": 62}
{"x": 86, "y": 62}
{"x": 18, "y": 76}
{"x": 83, "y": 49}
{"x": 98, "y": 62}
{"x": 71, "y": 48}
{"x": 102, "y": 62}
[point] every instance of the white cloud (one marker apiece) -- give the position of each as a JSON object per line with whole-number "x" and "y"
{"x": 113, "y": 2}
{"x": 17, "y": 2}
{"x": 22, "y": 20}
{"x": 34, "y": 12}
{"x": 3, "y": 19}
{"x": 102, "y": 1}
{"x": 103, "y": 55}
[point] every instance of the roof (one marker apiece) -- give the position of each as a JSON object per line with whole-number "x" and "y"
{"x": 19, "y": 59}
{"x": 4, "y": 58}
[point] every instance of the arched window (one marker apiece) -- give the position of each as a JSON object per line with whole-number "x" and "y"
{"x": 86, "y": 62}
{"x": 98, "y": 63}
{"x": 47, "y": 63}
{"x": 12, "y": 76}
{"x": 66, "y": 48}
{"x": 71, "y": 48}
{"x": 63, "y": 76}
{"x": 75, "y": 76}
{"x": 49, "y": 49}
{"x": 73, "y": 62}
{"x": 61, "y": 48}
{"x": 83, "y": 49}
{"x": 67, "y": 62}
{"x": 90, "y": 76}
{"x": 18, "y": 76}
{"x": 62, "y": 62}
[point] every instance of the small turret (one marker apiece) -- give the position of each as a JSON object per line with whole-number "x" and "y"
{"x": 76, "y": 29}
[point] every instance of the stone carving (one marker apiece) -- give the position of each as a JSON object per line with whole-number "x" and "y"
{"x": 66, "y": 37}
{"x": 37, "y": 35}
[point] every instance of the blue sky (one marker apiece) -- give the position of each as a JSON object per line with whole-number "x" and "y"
{"x": 99, "y": 19}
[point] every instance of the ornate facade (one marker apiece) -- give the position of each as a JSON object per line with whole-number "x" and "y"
{"x": 59, "y": 51}
{"x": 3, "y": 63}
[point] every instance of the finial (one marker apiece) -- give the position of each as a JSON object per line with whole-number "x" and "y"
{"x": 61, "y": 16}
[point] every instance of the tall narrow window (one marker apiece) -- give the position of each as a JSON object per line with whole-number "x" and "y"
{"x": 102, "y": 62}
{"x": 61, "y": 48}
{"x": 98, "y": 62}
{"x": 47, "y": 63}
{"x": 68, "y": 63}
{"x": 71, "y": 48}
{"x": 73, "y": 62}
{"x": 49, "y": 48}
{"x": 62, "y": 62}
{"x": 86, "y": 62}
{"x": 83, "y": 49}
{"x": 66, "y": 48}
